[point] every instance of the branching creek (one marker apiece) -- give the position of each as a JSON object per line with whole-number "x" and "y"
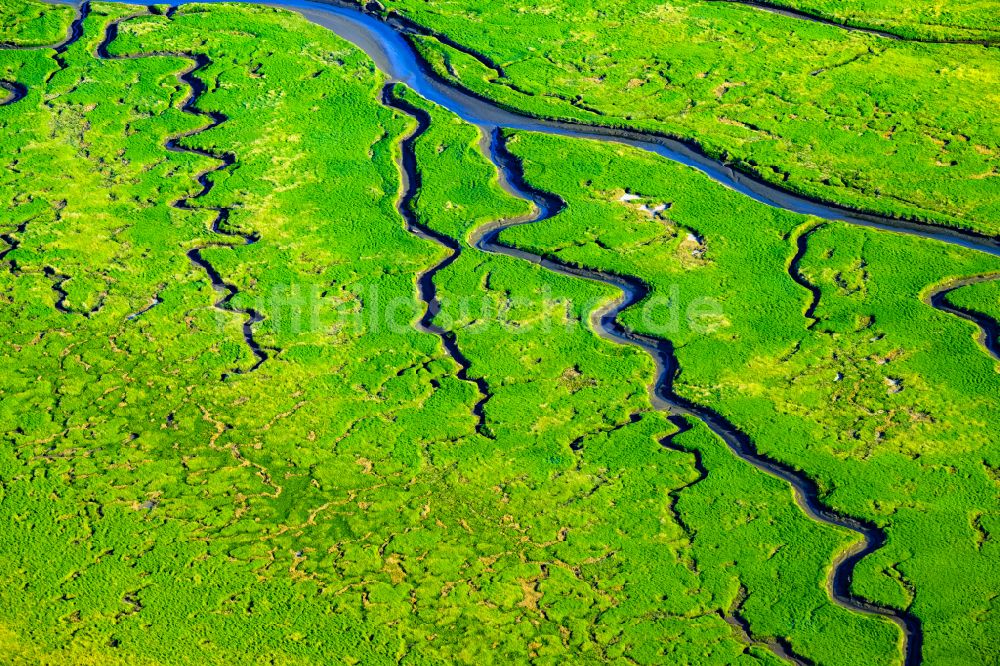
{"x": 18, "y": 91}
{"x": 385, "y": 42}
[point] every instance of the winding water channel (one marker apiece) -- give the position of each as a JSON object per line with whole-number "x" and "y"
{"x": 604, "y": 322}
{"x": 989, "y": 329}
{"x": 410, "y": 186}
{"x": 397, "y": 59}
{"x": 224, "y": 160}
{"x": 385, "y": 43}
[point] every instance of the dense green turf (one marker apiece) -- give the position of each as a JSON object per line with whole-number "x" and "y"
{"x": 29, "y": 23}
{"x": 152, "y": 481}
{"x": 890, "y": 126}
{"x": 336, "y": 503}
{"x": 887, "y": 402}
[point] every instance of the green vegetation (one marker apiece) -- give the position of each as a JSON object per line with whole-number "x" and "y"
{"x": 886, "y": 402}
{"x": 176, "y": 503}
{"x": 165, "y": 501}
{"x": 884, "y": 125}
{"x": 30, "y": 23}
{"x": 325, "y": 494}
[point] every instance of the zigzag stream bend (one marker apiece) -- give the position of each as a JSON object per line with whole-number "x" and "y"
{"x": 427, "y": 290}
{"x": 604, "y": 322}
{"x": 226, "y": 160}
{"x": 989, "y": 329}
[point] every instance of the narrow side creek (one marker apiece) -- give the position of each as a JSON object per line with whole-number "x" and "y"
{"x": 73, "y": 34}
{"x": 427, "y": 291}
{"x": 605, "y": 323}
{"x": 225, "y": 160}
{"x": 989, "y": 328}
{"x": 18, "y": 91}
{"x": 801, "y": 237}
